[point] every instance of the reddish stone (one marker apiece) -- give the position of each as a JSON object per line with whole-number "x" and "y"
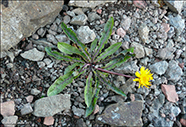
{"x": 132, "y": 97}
{"x": 140, "y": 3}
{"x": 166, "y": 27}
{"x": 96, "y": 110}
{"x": 183, "y": 122}
{"x": 29, "y": 98}
{"x": 181, "y": 65}
{"x": 170, "y": 92}
{"x": 48, "y": 121}
{"x": 113, "y": 32}
{"x": 121, "y": 32}
{"x": 7, "y": 108}
{"x": 99, "y": 11}
{"x": 102, "y": 21}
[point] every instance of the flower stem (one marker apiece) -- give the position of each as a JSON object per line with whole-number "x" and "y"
{"x": 111, "y": 72}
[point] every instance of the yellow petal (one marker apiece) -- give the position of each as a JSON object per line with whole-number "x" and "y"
{"x": 142, "y": 69}
{"x": 136, "y": 79}
{"x": 137, "y": 74}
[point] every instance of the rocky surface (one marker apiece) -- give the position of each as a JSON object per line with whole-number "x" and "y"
{"x": 156, "y": 33}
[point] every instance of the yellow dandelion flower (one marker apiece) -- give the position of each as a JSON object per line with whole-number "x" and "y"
{"x": 143, "y": 77}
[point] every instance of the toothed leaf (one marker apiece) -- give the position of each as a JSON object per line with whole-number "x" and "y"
{"x": 68, "y": 49}
{"x": 109, "y": 51}
{"x": 105, "y": 35}
{"x": 90, "y": 109}
{"x": 59, "y": 56}
{"x": 71, "y": 67}
{"x": 60, "y": 84}
{"x": 88, "y": 90}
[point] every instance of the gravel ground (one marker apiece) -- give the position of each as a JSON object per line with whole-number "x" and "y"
{"x": 158, "y": 36}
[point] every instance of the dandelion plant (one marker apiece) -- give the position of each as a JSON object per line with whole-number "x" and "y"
{"x": 88, "y": 60}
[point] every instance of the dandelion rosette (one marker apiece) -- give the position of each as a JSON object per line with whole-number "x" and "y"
{"x": 143, "y": 77}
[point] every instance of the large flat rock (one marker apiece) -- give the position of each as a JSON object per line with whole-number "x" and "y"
{"x": 22, "y": 18}
{"x": 49, "y": 106}
{"x": 123, "y": 114}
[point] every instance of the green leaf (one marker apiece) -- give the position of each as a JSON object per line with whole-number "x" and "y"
{"x": 59, "y": 56}
{"x": 109, "y": 51}
{"x": 72, "y": 36}
{"x": 60, "y": 84}
{"x": 91, "y": 108}
{"x": 71, "y": 67}
{"x": 124, "y": 52}
{"x": 88, "y": 90}
{"x": 68, "y": 49}
{"x": 105, "y": 35}
{"x": 93, "y": 45}
{"x": 112, "y": 87}
{"x": 119, "y": 59}
{"x": 116, "y": 62}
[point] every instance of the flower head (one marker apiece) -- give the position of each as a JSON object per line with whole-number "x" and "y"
{"x": 143, "y": 77}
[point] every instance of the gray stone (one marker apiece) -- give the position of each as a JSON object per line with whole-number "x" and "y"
{"x": 54, "y": 27}
{"x": 51, "y": 32}
{"x": 33, "y": 55}
{"x": 162, "y": 122}
{"x": 175, "y": 110}
{"x": 78, "y": 11}
{"x": 78, "y": 111}
{"x": 22, "y": 18}
{"x": 61, "y": 38}
{"x": 71, "y": 13}
{"x": 148, "y": 51}
{"x": 178, "y": 23}
{"x": 166, "y": 53}
{"x": 138, "y": 97}
{"x": 41, "y": 64}
{"x": 49, "y": 106}
{"x": 93, "y": 16}
{"x": 174, "y": 5}
{"x": 10, "y": 65}
{"x": 79, "y": 20}
{"x": 128, "y": 87}
{"x": 35, "y": 91}
{"x": 43, "y": 42}
{"x": 47, "y": 61}
{"x": 41, "y": 31}
{"x": 144, "y": 91}
{"x": 125, "y": 23}
{"x": 90, "y": 3}
{"x": 122, "y": 114}
{"x": 159, "y": 67}
{"x": 80, "y": 123}
{"x": 66, "y": 19}
{"x": 9, "y": 121}
{"x": 174, "y": 72}
{"x": 27, "y": 108}
{"x": 128, "y": 67}
{"x": 145, "y": 60}
{"x": 183, "y": 106}
{"x": 138, "y": 50}
{"x": 52, "y": 39}
{"x": 85, "y": 34}
{"x": 143, "y": 31}
{"x": 158, "y": 102}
